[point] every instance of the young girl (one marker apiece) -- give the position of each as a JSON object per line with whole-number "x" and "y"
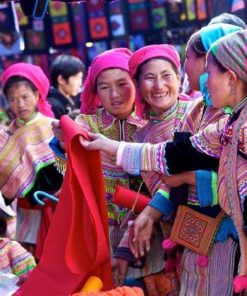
{"x": 26, "y": 160}
{"x": 108, "y": 107}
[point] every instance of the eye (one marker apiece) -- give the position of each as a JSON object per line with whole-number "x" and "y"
{"x": 104, "y": 87}
{"x": 123, "y": 84}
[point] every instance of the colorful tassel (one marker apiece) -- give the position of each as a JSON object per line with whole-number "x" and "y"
{"x": 168, "y": 244}
{"x": 240, "y": 283}
{"x": 202, "y": 261}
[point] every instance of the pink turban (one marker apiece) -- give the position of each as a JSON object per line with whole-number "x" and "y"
{"x": 153, "y": 51}
{"x": 36, "y": 75}
{"x": 113, "y": 58}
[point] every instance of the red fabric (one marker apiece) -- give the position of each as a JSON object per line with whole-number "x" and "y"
{"x": 77, "y": 243}
{"x": 47, "y": 213}
{"x": 125, "y": 197}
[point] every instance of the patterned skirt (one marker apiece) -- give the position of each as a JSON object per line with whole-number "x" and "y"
{"x": 213, "y": 280}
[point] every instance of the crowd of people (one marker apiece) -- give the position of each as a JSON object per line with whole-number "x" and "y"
{"x": 177, "y": 137}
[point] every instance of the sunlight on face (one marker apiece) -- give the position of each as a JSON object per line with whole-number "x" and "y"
{"x": 116, "y": 91}
{"x": 158, "y": 84}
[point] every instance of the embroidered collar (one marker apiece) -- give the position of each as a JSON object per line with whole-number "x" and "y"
{"x": 110, "y": 119}
{"x": 164, "y": 115}
{"x": 19, "y": 122}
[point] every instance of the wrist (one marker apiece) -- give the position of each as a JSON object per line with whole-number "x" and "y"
{"x": 152, "y": 214}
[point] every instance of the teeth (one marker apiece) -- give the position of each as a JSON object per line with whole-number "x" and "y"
{"x": 160, "y": 95}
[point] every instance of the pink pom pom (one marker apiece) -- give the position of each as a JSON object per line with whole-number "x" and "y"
{"x": 240, "y": 283}
{"x": 168, "y": 244}
{"x": 202, "y": 261}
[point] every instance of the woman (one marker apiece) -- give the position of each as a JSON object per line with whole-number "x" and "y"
{"x": 26, "y": 160}
{"x": 156, "y": 71}
{"x": 176, "y": 161}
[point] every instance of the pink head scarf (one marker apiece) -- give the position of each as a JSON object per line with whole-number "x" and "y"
{"x": 153, "y": 51}
{"x": 36, "y": 75}
{"x": 113, "y": 58}
{"x": 146, "y": 53}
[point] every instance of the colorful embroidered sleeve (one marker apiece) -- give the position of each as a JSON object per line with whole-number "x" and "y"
{"x": 243, "y": 139}
{"x": 161, "y": 202}
{"x": 208, "y": 140}
{"x": 60, "y": 155}
{"x": 22, "y": 261}
{"x": 206, "y": 186}
{"x": 164, "y": 158}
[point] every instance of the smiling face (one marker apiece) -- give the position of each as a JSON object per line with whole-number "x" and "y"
{"x": 158, "y": 84}
{"x": 116, "y": 91}
{"x": 22, "y": 100}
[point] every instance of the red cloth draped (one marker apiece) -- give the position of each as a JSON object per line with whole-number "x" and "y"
{"x": 77, "y": 243}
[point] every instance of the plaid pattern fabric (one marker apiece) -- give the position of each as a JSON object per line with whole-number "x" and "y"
{"x": 231, "y": 52}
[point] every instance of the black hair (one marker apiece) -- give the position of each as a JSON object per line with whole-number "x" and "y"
{"x": 66, "y": 66}
{"x": 218, "y": 64}
{"x": 14, "y": 80}
{"x": 3, "y": 223}
{"x": 228, "y": 18}
{"x": 195, "y": 43}
{"x": 138, "y": 72}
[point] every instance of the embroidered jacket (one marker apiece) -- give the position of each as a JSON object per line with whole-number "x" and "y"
{"x": 120, "y": 130}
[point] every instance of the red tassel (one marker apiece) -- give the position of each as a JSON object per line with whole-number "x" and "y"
{"x": 168, "y": 244}
{"x": 202, "y": 261}
{"x": 240, "y": 283}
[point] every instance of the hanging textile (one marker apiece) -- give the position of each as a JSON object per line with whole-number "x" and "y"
{"x": 237, "y": 5}
{"x": 138, "y": 15}
{"x": 201, "y": 10}
{"x": 159, "y": 18}
{"x": 9, "y": 30}
{"x": 61, "y": 25}
{"x": 191, "y": 11}
{"x": 117, "y": 19}
{"x": 98, "y": 25}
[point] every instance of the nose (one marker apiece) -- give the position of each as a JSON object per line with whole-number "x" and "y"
{"x": 20, "y": 102}
{"x": 158, "y": 83}
{"x": 114, "y": 92}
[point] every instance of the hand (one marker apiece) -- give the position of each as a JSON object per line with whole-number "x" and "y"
{"x": 57, "y": 130}
{"x": 140, "y": 236}
{"x": 100, "y": 142}
{"x": 119, "y": 270}
{"x": 142, "y": 231}
{"x": 180, "y": 179}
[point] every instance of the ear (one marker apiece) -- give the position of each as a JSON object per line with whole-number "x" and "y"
{"x": 232, "y": 77}
{"x": 60, "y": 80}
{"x": 37, "y": 96}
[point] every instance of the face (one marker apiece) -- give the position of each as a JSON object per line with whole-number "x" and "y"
{"x": 218, "y": 84}
{"x": 194, "y": 66}
{"x": 72, "y": 86}
{"x": 158, "y": 84}
{"x": 116, "y": 91}
{"x": 22, "y": 100}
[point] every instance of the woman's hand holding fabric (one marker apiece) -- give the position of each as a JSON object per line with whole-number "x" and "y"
{"x": 100, "y": 142}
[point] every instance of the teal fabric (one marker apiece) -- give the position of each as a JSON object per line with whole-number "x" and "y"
{"x": 209, "y": 34}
